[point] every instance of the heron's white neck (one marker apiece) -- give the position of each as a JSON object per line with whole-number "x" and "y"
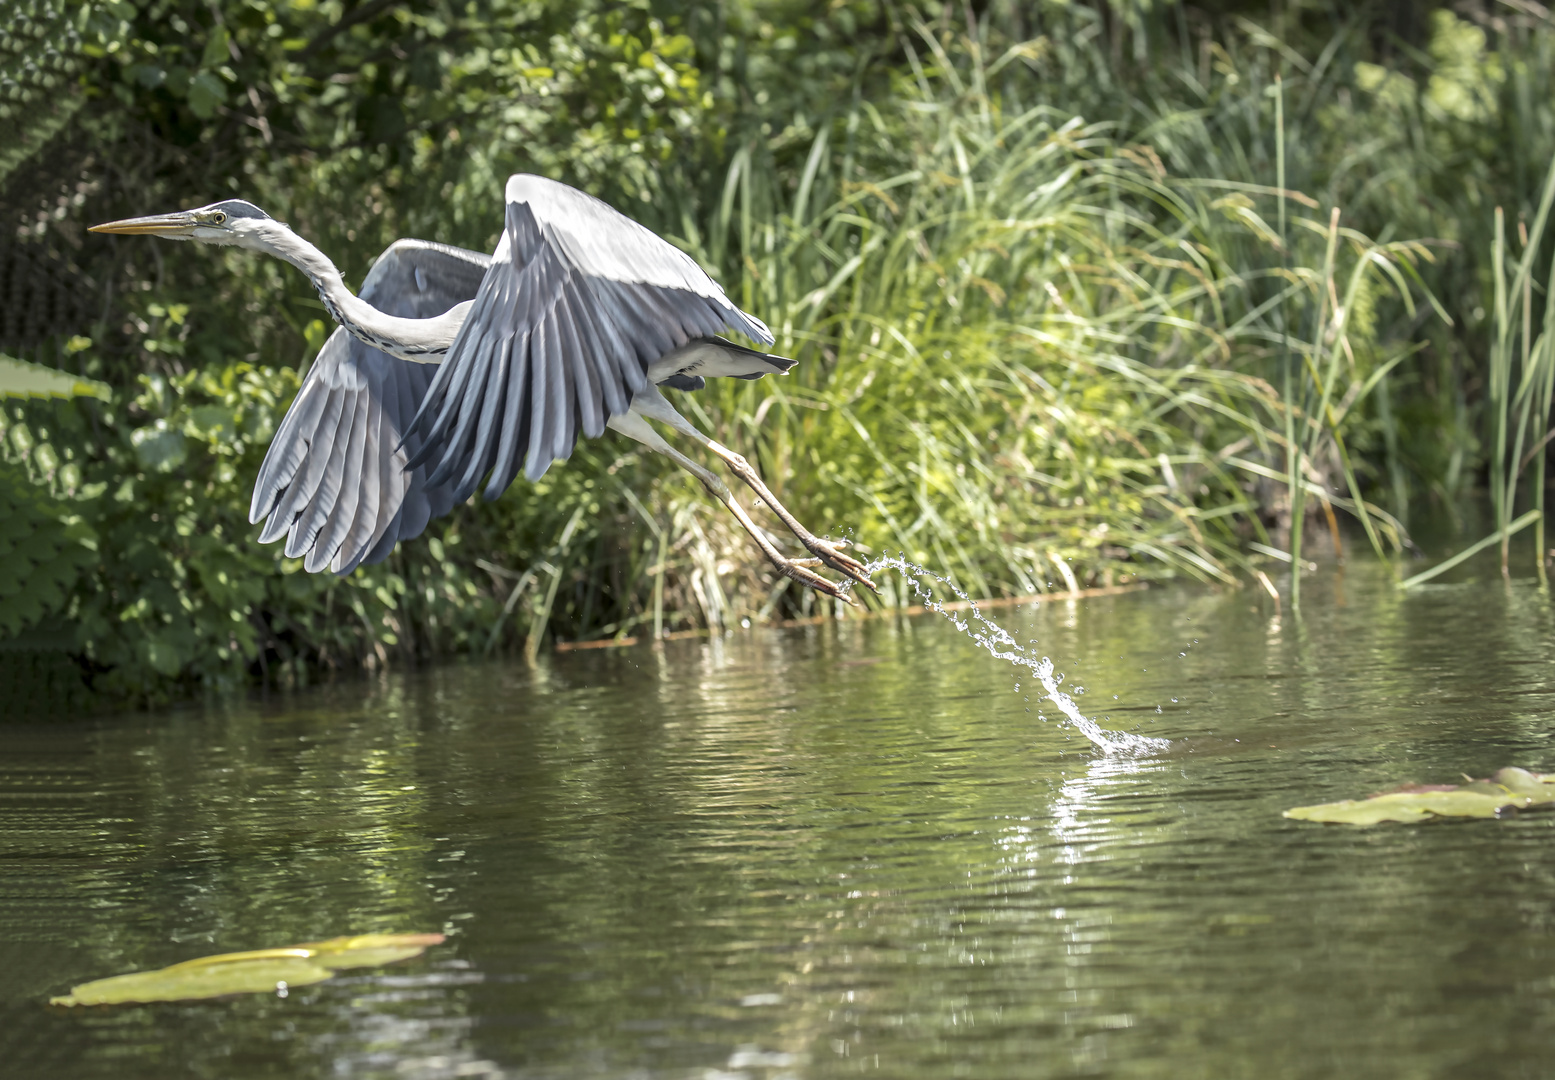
{"x": 424, "y": 341}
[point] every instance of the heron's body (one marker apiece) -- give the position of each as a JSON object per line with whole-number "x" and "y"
{"x": 453, "y": 369}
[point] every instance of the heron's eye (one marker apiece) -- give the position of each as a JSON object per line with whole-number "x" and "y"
{"x": 219, "y": 217}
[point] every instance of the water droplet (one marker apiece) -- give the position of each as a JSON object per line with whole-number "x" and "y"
{"x": 999, "y": 643}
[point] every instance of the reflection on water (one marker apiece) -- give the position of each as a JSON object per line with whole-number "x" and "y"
{"x": 820, "y": 852}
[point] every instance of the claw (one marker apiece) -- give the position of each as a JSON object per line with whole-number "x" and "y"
{"x": 830, "y": 553}
{"x": 798, "y": 571}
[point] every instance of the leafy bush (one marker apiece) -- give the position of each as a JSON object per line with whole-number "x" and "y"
{"x": 1059, "y": 321}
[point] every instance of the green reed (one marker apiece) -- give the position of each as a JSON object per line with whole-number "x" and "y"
{"x": 1026, "y": 349}
{"x": 1038, "y": 351}
{"x": 1031, "y": 354}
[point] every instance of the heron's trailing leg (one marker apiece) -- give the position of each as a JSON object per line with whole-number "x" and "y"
{"x": 827, "y": 551}
{"x": 633, "y": 426}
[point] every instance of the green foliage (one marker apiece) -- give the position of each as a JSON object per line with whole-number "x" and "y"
{"x": 19, "y": 379}
{"x": 1065, "y": 285}
{"x": 43, "y": 551}
{"x": 44, "y": 547}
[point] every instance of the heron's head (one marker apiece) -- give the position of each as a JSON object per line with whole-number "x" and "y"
{"x": 233, "y": 222}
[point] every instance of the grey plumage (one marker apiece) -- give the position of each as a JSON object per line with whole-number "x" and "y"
{"x": 336, "y": 480}
{"x": 452, "y": 369}
{"x": 578, "y": 303}
{"x": 540, "y": 359}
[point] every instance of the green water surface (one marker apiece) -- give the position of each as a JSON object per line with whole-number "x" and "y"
{"x": 823, "y": 852}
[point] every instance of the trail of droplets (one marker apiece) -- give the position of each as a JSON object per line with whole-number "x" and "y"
{"x": 993, "y": 637}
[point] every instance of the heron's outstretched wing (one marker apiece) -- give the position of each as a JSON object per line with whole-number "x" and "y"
{"x": 335, "y": 481}
{"x": 578, "y": 302}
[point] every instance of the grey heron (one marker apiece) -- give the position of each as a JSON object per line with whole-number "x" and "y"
{"x": 453, "y": 367}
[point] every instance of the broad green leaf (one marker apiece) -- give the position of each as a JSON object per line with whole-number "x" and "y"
{"x": 1509, "y": 788}
{"x": 163, "y": 654}
{"x": 206, "y": 94}
{"x": 43, "y": 551}
{"x": 213, "y": 422}
{"x": 216, "y": 48}
{"x": 159, "y": 449}
{"x": 21, "y": 379}
{"x": 257, "y": 972}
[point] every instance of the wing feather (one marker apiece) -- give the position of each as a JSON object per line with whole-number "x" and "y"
{"x": 515, "y": 420}
{"x": 588, "y": 391}
{"x": 462, "y": 407}
{"x": 363, "y": 497}
{"x": 310, "y": 473}
{"x": 543, "y": 408}
{"x": 483, "y": 411}
{"x": 334, "y": 507}
{"x": 321, "y": 476}
{"x": 598, "y": 298}
{"x": 597, "y": 356}
{"x": 287, "y": 449}
{"x": 568, "y": 316}
{"x": 370, "y": 495}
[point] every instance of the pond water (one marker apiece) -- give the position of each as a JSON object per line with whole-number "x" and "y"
{"x": 822, "y": 852}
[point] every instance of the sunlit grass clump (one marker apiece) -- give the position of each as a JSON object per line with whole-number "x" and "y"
{"x": 1030, "y": 357}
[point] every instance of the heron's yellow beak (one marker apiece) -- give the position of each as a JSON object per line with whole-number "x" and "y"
{"x": 176, "y": 226}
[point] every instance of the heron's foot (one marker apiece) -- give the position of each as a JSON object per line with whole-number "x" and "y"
{"x": 830, "y": 553}
{"x": 799, "y": 570}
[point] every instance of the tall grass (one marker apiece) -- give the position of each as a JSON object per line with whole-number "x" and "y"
{"x": 1424, "y": 147}
{"x": 1029, "y": 355}
{"x": 1026, "y": 345}
{"x": 1061, "y": 324}
{"x": 1520, "y": 386}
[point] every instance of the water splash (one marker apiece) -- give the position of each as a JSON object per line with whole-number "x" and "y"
{"x": 993, "y": 637}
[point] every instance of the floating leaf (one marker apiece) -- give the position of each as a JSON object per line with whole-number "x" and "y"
{"x": 208, "y": 978}
{"x": 1506, "y": 789}
{"x": 259, "y": 972}
{"x": 369, "y": 950}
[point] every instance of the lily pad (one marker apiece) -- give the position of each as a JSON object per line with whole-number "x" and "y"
{"x": 257, "y": 972}
{"x": 1505, "y": 789}
{"x": 369, "y": 950}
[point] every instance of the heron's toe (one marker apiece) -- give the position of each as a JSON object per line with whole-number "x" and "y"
{"x": 800, "y": 572}
{"x": 831, "y": 553}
